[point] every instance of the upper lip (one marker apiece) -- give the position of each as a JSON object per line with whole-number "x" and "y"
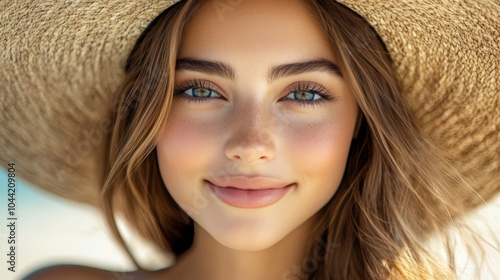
{"x": 249, "y": 182}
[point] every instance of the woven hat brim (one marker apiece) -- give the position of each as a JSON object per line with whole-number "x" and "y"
{"x": 60, "y": 64}
{"x": 446, "y": 55}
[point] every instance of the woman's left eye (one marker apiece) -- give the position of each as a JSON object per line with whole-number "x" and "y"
{"x": 303, "y": 95}
{"x": 308, "y": 94}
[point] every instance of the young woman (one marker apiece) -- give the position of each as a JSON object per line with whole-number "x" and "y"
{"x": 271, "y": 140}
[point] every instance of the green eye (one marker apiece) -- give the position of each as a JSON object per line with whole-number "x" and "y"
{"x": 199, "y": 92}
{"x": 303, "y": 95}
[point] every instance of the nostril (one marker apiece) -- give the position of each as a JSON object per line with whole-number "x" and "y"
{"x": 252, "y": 154}
{"x": 250, "y": 145}
{"x": 248, "y": 153}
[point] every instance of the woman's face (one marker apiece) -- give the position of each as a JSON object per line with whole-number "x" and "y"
{"x": 261, "y": 123}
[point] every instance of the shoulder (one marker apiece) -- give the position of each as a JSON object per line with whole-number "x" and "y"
{"x": 75, "y": 272}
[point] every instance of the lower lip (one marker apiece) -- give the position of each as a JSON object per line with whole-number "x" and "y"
{"x": 248, "y": 198}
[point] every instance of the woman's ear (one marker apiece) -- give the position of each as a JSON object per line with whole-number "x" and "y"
{"x": 358, "y": 125}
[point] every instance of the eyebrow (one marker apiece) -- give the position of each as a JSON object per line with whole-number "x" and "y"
{"x": 304, "y": 67}
{"x": 206, "y": 66}
{"x": 276, "y": 72}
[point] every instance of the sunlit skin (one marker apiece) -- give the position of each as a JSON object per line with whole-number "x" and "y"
{"x": 250, "y": 122}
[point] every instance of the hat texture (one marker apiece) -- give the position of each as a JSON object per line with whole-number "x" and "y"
{"x": 60, "y": 64}
{"x": 446, "y": 54}
{"x": 62, "y": 61}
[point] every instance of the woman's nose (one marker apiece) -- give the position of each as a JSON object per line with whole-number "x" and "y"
{"x": 252, "y": 139}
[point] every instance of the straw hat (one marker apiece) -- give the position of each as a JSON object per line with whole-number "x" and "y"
{"x": 61, "y": 62}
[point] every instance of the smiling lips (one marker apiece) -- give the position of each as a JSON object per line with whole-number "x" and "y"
{"x": 248, "y": 192}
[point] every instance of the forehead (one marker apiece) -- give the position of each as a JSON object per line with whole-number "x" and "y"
{"x": 247, "y": 27}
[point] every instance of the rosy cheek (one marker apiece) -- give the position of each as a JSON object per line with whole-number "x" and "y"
{"x": 174, "y": 155}
{"x": 320, "y": 148}
{"x": 174, "y": 141}
{"x": 178, "y": 156}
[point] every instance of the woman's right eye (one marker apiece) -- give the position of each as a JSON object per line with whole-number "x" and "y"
{"x": 197, "y": 91}
{"x": 200, "y": 92}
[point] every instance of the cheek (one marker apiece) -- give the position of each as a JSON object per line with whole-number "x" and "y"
{"x": 189, "y": 139}
{"x": 184, "y": 151}
{"x": 320, "y": 153}
{"x": 179, "y": 144}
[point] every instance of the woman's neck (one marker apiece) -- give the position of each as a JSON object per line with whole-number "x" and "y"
{"x": 208, "y": 259}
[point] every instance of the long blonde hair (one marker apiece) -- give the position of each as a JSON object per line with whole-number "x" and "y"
{"x": 396, "y": 190}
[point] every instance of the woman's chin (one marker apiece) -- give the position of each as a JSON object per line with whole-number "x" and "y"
{"x": 246, "y": 236}
{"x": 247, "y": 242}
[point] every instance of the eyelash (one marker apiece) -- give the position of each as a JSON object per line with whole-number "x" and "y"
{"x": 310, "y": 87}
{"x": 194, "y": 84}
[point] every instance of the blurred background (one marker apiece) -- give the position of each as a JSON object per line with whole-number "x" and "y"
{"x": 52, "y": 230}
